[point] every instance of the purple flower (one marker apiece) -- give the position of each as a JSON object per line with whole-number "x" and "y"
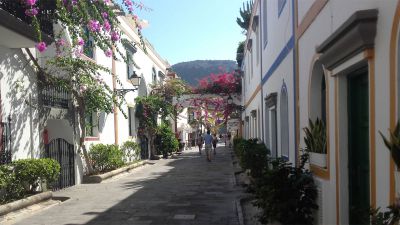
{"x": 74, "y": 2}
{"x": 106, "y": 26}
{"x": 30, "y": 2}
{"x": 104, "y": 15}
{"x": 108, "y": 53}
{"x": 41, "y": 46}
{"x": 114, "y": 36}
{"x": 60, "y": 42}
{"x": 94, "y": 25}
{"x": 32, "y": 12}
{"x": 81, "y": 42}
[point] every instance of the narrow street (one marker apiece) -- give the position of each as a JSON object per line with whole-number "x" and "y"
{"x": 184, "y": 190}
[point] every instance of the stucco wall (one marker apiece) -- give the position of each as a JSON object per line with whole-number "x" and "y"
{"x": 19, "y": 102}
{"x": 328, "y": 20}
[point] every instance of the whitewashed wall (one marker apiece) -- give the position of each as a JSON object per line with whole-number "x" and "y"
{"x": 329, "y": 19}
{"x": 19, "y": 100}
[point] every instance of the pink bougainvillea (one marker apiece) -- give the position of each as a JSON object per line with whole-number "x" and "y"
{"x": 222, "y": 83}
{"x": 41, "y": 46}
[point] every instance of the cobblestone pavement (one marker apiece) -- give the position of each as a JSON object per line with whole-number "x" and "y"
{"x": 184, "y": 190}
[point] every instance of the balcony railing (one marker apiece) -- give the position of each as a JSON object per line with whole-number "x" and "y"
{"x": 55, "y": 96}
{"x": 5, "y": 147}
{"x": 45, "y": 15}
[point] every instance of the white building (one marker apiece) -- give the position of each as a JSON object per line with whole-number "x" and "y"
{"x": 38, "y": 118}
{"x": 337, "y": 61}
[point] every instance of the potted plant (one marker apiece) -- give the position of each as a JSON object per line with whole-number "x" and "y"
{"x": 394, "y": 144}
{"x": 315, "y": 141}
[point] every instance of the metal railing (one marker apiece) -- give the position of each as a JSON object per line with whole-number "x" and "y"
{"x": 55, "y": 96}
{"x": 45, "y": 15}
{"x": 6, "y": 147}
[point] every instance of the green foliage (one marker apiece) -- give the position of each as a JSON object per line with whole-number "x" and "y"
{"x": 286, "y": 194}
{"x": 389, "y": 217}
{"x": 131, "y": 151}
{"x": 315, "y": 138}
{"x": 105, "y": 157}
{"x": 166, "y": 141}
{"x": 240, "y": 53}
{"x": 10, "y": 188}
{"x": 23, "y": 177}
{"x": 394, "y": 144}
{"x": 83, "y": 79}
{"x": 149, "y": 108}
{"x": 33, "y": 171}
{"x": 252, "y": 155}
{"x": 245, "y": 14}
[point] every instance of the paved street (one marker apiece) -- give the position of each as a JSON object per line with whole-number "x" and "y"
{"x": 184, "y": 190}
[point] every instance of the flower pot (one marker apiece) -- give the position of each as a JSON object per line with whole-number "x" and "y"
{"x": 318, "y": 159}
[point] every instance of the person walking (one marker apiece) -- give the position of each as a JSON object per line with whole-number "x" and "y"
{"x": 200, "y": 142}
{"x": 208, "y": 143}
{"x": 214, "y": 143}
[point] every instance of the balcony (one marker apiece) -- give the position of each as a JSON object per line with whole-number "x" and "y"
{"x": 15, "y": 28}
{"x": 55, "y": 97}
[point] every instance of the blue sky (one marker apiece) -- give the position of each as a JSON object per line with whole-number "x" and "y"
{"x": 185, "y": 30}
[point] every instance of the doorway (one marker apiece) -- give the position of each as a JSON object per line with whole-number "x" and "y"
{"x": 358, "y": 147}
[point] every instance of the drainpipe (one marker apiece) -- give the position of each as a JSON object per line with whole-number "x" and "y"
{"x": 114, "y": 81}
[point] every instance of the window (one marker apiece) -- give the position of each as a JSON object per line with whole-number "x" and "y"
{"x": 247, "y": 127}
{"x": 284, "y": 118}
{"x": 253, "y": 114}
{"x": 154, "y": 76}
{"x": 270, "y": 103}
{"x": 318, "y": 93}
{"x": 88, "y": 47}
{"x": 281, "y": 5}
{"x": 130, "y": 51}
{"x": 131, "y": 120}
{"x": 161, "y": 75}
{"x": 91, "y": 125}
{"x": 258, "y": 47}
{"x": 129, "y": 63}
{"x": 264, "y": 22}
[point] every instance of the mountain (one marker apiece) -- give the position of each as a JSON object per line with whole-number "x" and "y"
{"x": 193, "y": 71}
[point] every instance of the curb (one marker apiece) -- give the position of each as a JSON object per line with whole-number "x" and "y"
{"x": 95, "y": 179}
{"x": 22, "y": 203}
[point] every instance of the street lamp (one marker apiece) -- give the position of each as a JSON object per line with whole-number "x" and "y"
{"x": 134, "y": 80}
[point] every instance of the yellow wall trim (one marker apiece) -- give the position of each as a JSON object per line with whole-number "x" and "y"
{"x": 310, "y": 16}
{"x": 253, "y": 95}
{"x": 393, "y": 89}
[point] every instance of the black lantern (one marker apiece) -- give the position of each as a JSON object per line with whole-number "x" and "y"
{"x": 134, "y": 80}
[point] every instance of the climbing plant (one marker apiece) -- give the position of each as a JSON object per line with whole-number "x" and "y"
{"x": 83, "y": 23}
